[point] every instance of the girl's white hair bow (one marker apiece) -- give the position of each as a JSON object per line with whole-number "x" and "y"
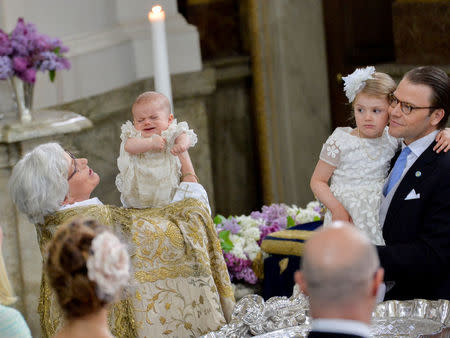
{"x": 356, "y": 81}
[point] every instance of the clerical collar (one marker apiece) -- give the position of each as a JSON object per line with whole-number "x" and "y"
{"x": 91, "y": 201}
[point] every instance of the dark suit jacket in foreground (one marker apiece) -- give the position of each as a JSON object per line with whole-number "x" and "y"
{"x": 317, "y": 334}
{"x": 417, "y": 231}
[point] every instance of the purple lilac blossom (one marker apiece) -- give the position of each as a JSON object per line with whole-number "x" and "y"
{"x": 6, "y": 70}
{"x": 28, "y": 76}
{"x": 54, "y": 43}
{"x": 23, "y": 38}
{"x": 5, "y": 44}
{"x": 229, "y": 224}
{"x": 273, "y": 213}
{"x": 20, "y": 64}
{"x": 240, "y": 269}
{"x": 266, "y": 230}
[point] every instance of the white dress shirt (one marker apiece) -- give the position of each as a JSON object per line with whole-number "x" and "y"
{"x": 344, "y": 326}
{"x": 417, "y": 148}
{"x": 184, "y": 190}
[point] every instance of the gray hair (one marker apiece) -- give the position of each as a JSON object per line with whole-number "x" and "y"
{"x": 344, "y": 281}
{"x": 38, "y": 183}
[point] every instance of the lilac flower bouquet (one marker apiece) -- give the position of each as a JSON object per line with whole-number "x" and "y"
{"x": 24, "y": 51}
{"x": 241, "y": 236}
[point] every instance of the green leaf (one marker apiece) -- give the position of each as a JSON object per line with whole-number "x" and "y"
{"x": 219, "y": 219}
{"x": 57, "y": 50}
{"x": 316, "y": 218}
{"x": 225, "y": 241}
{"x": 290, "y": 222}
{"x": 51, "y": 75}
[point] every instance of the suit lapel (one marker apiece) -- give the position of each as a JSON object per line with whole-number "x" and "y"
{"x": 422, "y": 168}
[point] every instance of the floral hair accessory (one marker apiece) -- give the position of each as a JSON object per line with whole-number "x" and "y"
{"x": 108, "y": 265}
{"x": 356, "y": 81}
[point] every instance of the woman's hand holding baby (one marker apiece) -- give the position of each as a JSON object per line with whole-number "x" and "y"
{"x": 182, "y": 143}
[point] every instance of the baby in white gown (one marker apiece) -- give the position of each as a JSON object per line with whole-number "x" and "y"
{"x": 149, "y": 168}
{"x": 357, "y": 160}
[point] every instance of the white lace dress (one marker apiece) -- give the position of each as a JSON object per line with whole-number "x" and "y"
{"x": 150, "y": 179}
{"x": 362, "y": 166}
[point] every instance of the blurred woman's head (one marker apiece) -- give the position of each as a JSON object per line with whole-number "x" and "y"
{"x": 87, "y": 266}
{"x": 6, "y": 291}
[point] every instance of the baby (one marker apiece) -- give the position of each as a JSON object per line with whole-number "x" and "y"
{"x": 149, "y": 166}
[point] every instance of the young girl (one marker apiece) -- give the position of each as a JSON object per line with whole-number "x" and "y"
{"x": 150, "y": 170}
{"x": 357, "y": 160}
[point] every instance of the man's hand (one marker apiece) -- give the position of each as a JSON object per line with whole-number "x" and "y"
{"x": 182, "y": 144}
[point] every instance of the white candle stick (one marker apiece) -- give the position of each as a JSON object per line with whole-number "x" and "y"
{"x": 160, "y": 58}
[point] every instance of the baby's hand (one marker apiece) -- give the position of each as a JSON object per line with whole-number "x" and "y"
{"x": 443, "y": 141}
{"x": 157, "y": 143}
{"x": 182, "y": 144}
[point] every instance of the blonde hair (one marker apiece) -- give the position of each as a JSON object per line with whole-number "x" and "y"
{"x": 380, "y": 85}
{"x": 6, "y": 292}
{"x": 155, "y": 99}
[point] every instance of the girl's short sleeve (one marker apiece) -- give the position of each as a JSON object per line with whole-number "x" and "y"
{"x": 128, "y": 131}
{"x": 183, "y": 127}
{"x": 395, "y": 142}
{"x": 176, "y": 129}
{"x": 331, "y": 152}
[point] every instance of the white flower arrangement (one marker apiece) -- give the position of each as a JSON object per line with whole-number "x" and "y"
{"x": 356, "y": 81}
{"x": 108, "y": 265}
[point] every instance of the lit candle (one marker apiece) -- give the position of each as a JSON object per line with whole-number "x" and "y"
{"x": 160, "y": 59}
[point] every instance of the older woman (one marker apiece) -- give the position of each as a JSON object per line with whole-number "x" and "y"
{"x": 180, "y": 284}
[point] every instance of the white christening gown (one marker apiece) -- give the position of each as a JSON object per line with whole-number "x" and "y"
{"x": 362, "y": 166}
{"x": 150, "y": 179}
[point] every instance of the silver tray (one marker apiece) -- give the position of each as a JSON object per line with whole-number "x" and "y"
{"x": 410, "y": 318}
{"x": 255, "y": 318}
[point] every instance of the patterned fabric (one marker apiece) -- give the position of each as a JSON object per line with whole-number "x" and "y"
{"x": 180, "y": 281}
{"x": 361, "y": 165}
{"x": 150, "y": 179}
{"x": 12, "y": 324}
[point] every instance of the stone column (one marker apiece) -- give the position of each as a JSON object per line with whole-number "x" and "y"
{"x": 291, "y": 94}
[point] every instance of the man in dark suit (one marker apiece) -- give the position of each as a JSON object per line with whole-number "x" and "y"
{"x": 415, "y": 211}
{"x": 341, "y": 275}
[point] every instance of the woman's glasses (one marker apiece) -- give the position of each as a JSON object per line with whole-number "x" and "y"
{"x": 74, "y": 163}
{"x": 406, "y": 108}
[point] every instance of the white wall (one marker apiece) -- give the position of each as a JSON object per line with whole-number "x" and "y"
{"x": 109, "y": 41}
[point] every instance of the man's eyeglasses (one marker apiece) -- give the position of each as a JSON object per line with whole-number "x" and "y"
{"x": 74, "y": 162}
{"x": 406, "y": 108}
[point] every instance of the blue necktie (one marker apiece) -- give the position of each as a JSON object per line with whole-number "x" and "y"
{"x": 397, "y": 171}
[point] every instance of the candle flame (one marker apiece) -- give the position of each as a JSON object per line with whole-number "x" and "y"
{"x": 156, "y": 9}
{"x": 156, "y": 13}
